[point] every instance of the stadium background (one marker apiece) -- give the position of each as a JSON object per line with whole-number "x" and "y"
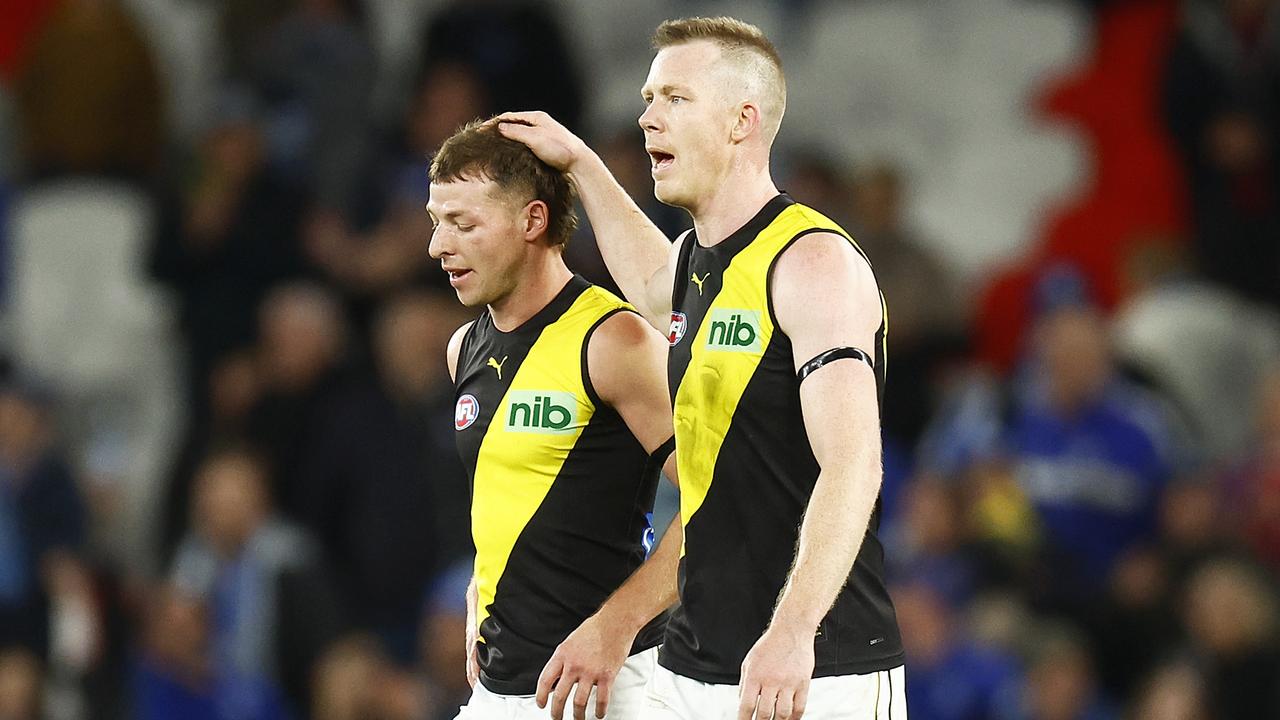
{"x": 216, "y": 290}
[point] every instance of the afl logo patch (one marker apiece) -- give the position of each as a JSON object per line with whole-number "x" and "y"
{"x": 679, "y": 323}
{"x": 466, "y": 412}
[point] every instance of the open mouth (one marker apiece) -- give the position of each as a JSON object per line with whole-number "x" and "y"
{"x": 456, "y": 276}
{"x": 661, "y": 159}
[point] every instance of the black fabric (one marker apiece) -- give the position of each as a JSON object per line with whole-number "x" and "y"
{"x": 832, "y": 355}
{"x": 658, "y": 457}
{"x": 741, "y": 541}
{"x": 585, "y": 537}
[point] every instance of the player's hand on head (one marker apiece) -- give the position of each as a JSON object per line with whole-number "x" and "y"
{"x": 552, "y": 142}
{"x": 590, "y": 657}
{"x": 776, "y": 675}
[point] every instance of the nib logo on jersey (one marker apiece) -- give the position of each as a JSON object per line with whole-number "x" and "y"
{"x": 541, "y": 411}
{"x": 734, "y": 330}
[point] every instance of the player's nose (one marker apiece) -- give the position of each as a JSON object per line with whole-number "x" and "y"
{"x": 437, "y": 245}
{"x": 649, "y": 118}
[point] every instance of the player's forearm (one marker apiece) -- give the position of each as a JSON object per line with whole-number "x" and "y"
{"x": 830, "y": 537}
{"x": 633, "y": 248}
{"x": 473, "y": 600}
{"x": 651, "y": 588}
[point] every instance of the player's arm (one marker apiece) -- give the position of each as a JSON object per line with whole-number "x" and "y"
{"x": 639, "y": 256}
{"x": 626, "y": 360}
{"x": 452, "y": 351}
{"x": 825, "y": 297}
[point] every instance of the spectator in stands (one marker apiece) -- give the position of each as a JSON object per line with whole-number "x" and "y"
{"x": 388, "y": 255}
{"x": 316, "y": 113}
{"x": 1253, "y": 486}
{"x": 89, "y": 96}
{"x": 301, "y": 354}
{"x": 42, "y": 523}
{"x": 244, "y": 26}
{"x": 253, "y": 585}
{"x": 812, "y": 172}
{"x": 383, "y": 488}
{"x": 1231, "y": 616}
{"x": 20, "y": 685}
{"x": 925, "y": 310}
{"x": 443, "y": 642}
{"x": 234, "y": 388}
{"x": 519, "y": 49}
{"x": 952, "y": 676}
{"x": 1133, "y": 627}
{"x": 1174, "y": 692}
{"x": 1090, "y": 451}
{"x": 1168, "y": 329}
{"x": 1004, "y": 531}
{"x": 225, "y": 240}
{"x": 358, "y": 681}
{"x": 1223, "y": 109}
{"x": 1060, "y": 681}
{"x": 929, "y": 540}
{"x": 174, "y": 674}
{"x": 1193, "y": 526}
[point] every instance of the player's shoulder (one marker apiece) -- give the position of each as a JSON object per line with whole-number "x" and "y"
{"x": 454, "y": 348}
{"x": 823, "y": 270}
{"x": 626, "y": 327}
{"x": 622, "y": 348}
{"x": 823, "y": 253}
{"x": 455, "y": 340}
{"x": 604, "y": 299}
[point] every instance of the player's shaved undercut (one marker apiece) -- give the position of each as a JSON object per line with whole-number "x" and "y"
{"x": 746, "y": 47}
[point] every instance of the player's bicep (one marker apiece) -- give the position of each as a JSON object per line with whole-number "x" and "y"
{"x": 841, "y": 413}
{"x": 826, "y": 299}
{"x": 626, "y": 360}
{"x": 658, "y": 289}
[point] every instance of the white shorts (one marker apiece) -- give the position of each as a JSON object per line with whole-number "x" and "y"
{"x": 626, "y": 698}
{"x": 874, "y": 696}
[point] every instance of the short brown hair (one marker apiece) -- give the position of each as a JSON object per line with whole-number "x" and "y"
{"x": 740, "y": 42}
{"x": 478, "y": 151}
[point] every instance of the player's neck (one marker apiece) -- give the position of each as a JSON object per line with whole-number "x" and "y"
{"x": 541, "y": 280}
{"x": 735, "y": 202}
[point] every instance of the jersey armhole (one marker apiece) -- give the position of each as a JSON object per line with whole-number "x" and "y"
{"x": 464, "y": 349}
{"x": 773, "y": 265}
{"x": 586, "y": 345}
{"x": 681, "y": 281}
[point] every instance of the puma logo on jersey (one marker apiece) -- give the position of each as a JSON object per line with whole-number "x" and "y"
{"x": 734, "y": 330}
{"x": 498, "y": 365}
{"x": 698, "y": 281}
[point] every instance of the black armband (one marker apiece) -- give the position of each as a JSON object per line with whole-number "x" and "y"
{"x": 831, "y": 356}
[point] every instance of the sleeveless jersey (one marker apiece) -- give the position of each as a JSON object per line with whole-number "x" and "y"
{"x": 746, "y": 468}
{"x": 560, "y": 495}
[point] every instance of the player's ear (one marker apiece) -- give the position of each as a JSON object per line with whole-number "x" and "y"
{"x": 746, "y": 123}
{"x": 537, "y": 220}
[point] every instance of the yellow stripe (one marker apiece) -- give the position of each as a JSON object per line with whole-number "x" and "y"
{"x": 515, "y": 469}
{"x": 716, "y": 378}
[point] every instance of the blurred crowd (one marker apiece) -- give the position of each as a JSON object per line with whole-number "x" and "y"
{"x": 1090, "y": 533}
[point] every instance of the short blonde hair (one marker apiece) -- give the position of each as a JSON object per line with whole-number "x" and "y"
{"x": 743, "y": 44}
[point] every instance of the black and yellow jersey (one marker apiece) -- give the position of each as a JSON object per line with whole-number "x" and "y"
{"x": 746, "y": 467}
{"x": 560, "y": 498}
